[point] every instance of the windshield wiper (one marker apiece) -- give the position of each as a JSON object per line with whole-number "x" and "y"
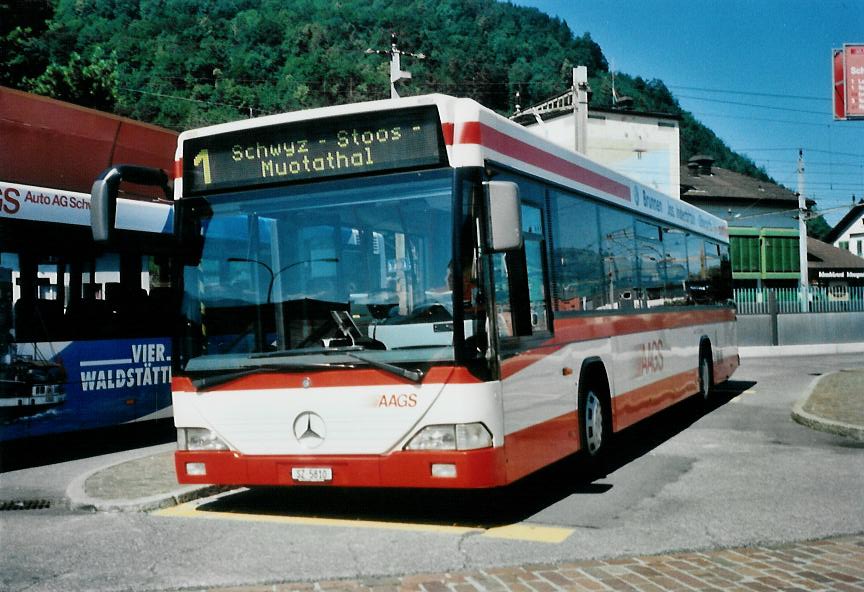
{"x": 307, "y": 351}
{"x": 412, "y": 375}
{"x": 349, "y": 351}
{"x": 213, "y": 380}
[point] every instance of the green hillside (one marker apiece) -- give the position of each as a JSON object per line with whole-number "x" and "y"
{"x": 186, "y": 63}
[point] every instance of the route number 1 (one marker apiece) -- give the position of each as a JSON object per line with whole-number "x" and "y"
{"x": 203, "y": 160}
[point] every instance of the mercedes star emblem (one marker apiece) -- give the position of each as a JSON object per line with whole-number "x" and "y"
{"x": 309, "y": 429}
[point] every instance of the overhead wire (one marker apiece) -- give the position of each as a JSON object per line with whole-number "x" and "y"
{"x": 745, "y": 151}
{"x": 750, "y": 93}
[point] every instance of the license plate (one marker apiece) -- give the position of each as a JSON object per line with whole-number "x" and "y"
{"x": 312, "y": 474}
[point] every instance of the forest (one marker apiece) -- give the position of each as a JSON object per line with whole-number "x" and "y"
{"x": 187, "y": 63}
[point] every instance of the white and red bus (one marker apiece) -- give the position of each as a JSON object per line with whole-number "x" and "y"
{"x": 420, "y": 293}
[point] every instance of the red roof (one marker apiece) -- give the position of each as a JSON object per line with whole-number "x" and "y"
{"x": 49, "y": 143}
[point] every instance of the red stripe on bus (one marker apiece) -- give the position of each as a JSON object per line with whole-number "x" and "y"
{"x": 448, "y": 129}
{"x": 330, "y": 378}
{"x": 474, "y": 132}
{"x": 586, "y": 328}
{"x": 567, "y": 330}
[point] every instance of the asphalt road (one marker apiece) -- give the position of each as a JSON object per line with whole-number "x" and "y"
{"x": 742, "y": 473}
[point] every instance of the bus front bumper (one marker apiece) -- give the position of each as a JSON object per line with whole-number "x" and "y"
{"x": 472, "y": 469}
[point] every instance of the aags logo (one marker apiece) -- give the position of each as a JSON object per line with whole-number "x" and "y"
{"x": 651, "y": 358}
{"x": 401, "y": 400}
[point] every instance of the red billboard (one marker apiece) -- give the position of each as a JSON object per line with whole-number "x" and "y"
{"x": 853, "y": 67}
{"x": 848, "y": 77}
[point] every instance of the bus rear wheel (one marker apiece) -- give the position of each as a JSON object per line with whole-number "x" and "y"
{"x": 706, "y": 375}
{"x": 592, "y": 418}
{"x": 595, "y": 419}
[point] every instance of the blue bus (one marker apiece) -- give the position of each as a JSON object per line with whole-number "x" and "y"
{"x": 84, "y": 332}
{"x": 84, "y": 329}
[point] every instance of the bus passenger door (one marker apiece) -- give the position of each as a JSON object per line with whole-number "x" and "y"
{"x": 521, "y": 285}
{"x": 536, "y": 394}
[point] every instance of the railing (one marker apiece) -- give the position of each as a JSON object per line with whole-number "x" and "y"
{"x": 788, "y": 300}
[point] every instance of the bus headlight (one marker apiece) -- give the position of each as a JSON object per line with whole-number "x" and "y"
{"x": 199, "y": 439}
{"x": 461, "y": 436}
{"x": 471, "y": 436}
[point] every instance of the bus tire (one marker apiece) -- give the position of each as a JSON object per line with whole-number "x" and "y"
{"x": 705, "y": 373}
{"x": 595, "y": 415}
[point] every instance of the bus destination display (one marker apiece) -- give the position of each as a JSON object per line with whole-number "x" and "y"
{"x": 305, "y": 150}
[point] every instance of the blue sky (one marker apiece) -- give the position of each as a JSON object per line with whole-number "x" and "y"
{"x": 757, "y": 72}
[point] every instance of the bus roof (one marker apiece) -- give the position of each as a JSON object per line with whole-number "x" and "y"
{"x": 476, "y": 136}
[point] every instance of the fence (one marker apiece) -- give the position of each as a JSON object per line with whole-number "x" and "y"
{"x": 753, "y": 301}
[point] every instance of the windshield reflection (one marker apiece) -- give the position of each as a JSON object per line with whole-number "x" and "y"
{"x": 359, "y": 265}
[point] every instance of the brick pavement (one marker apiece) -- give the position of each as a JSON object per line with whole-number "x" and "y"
{"x": 831, "y": 565}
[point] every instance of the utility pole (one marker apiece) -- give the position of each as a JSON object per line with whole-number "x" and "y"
{"x": 396, "y": 71}
{"x": 802, "y": 234}
{"x": 580, "y": 108}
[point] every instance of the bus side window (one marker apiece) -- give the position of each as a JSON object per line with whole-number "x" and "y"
{"x": 511, "y": 294}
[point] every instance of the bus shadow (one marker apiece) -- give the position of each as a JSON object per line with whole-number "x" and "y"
{"x": 478, "y": 509}
{"x": 39, "y": 451}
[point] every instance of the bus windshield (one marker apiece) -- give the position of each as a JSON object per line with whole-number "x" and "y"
{"x": 302, "y": 272}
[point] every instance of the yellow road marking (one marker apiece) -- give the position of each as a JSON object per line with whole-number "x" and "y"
{"x": 530, "y": 532}
{"x": 520, "y": 532}
{"x": 190, "y": 511}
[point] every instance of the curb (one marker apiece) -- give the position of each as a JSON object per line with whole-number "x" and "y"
{"x": 77, "y": 498}
{"x": 765, "y": 351}
{"x": 820, "y": 423}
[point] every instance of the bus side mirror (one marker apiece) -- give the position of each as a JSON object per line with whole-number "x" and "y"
{"x": 103, "y": 195}
{"x": 103, "y": 207}
{"x": 505, "y": 216}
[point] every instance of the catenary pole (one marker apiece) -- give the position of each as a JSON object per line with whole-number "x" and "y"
{"x": 396, "y": 72}
{"x": 802, "y": 234}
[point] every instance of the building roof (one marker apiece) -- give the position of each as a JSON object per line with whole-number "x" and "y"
{"x": 725, "y": 184}
{"x": 851, "y": 217}
{"x": 562, "y": 104}
{"x": 824, "y": 256}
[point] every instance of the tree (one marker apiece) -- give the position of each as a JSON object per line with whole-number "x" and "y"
{"x": 92, "y": 82}
{"x": 21, "y": 28}
{"x": 817, "y": 227}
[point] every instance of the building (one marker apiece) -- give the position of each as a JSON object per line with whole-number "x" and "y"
{"x": 848, "y": 234}
{"x": 835, "y": 269}
{"x": 644, "y": 146}
{"x": 762, "y": 217}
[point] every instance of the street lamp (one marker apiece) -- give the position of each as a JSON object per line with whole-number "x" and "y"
{"x": 273, "y": 274}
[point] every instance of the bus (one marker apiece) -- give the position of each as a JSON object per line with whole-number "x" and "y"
{"x": 84, "y": 329}
{"x": 420, "y": 293}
